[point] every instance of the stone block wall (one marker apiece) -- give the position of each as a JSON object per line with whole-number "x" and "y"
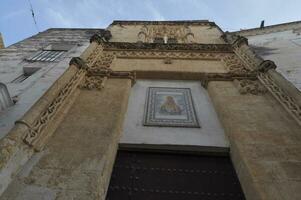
{"x": 265, "y": 142}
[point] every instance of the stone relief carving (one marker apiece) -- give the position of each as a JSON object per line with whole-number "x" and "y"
{"x": 234, "y": 65}
{"x": 182, "y": 33}
{"x": 287, "y": 102}
{"x": 93, "y": 82}
{"x": 218, "y": 48}
{"x": 250, "y": 87}
{"x": 165, "y": 54}
{"x": 36, "y": 134}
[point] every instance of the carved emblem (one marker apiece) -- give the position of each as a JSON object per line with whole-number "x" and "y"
{"x": 182, "y": 33}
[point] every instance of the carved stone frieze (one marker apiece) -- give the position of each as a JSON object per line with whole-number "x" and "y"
{"x": 171, "y": 46}
{"x": 36, "y": 133}
{"x": 170, "y": 54}
{"x": 103, "y": 61}
{"x": 93, "y": 57}
{"x": 284, "y": 99}
{"x": 182, "y": 34}
{"x": 246, "y": 86}
{"x": 234, "y": 65}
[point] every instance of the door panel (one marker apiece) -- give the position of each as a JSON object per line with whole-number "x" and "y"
{"x": 156, "y": 176}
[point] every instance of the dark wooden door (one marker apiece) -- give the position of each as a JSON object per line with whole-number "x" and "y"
{"x": 161, "y": 176}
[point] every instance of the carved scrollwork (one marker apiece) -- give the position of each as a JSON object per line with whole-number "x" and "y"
{"x": 246, "y": 86}
{"x": 285, "y": 100}
{"x": 217, "y": 48}
{"x": 36, "y": 134}
{"x": 169, "y": 54}
{"x": 234, "y": 65}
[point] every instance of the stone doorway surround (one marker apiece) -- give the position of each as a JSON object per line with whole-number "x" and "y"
{"x": 66, "y": 144}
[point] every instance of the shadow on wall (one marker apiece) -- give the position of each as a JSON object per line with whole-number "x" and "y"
{"x": 264, "y": 51}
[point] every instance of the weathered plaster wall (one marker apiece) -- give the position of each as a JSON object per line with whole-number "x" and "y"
{"x": 265, "y": 142}
{"x": 202, "y": 34}
{"x": 210, "y": 134}
{"x": 179, "y": 65}
{"x": 282, "y": 47}
{"x": 30, "y": 90}
{"x": 77, "y": 162}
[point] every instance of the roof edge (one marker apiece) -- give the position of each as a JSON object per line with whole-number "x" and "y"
{"x": 175, "y": 22}
{"x": 269, "y": 29}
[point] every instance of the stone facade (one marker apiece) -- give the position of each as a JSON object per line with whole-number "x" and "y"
{"x": 64, "y": 146}
{"x": 280, "y": 43}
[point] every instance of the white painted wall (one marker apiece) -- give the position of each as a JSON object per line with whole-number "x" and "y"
{"x": 284, "y": 48}
{"x": 211, "y": 134}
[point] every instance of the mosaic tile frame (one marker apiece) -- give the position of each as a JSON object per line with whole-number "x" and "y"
{"x": 182, "y": 103}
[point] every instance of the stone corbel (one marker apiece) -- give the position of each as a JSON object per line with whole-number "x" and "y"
{"x": 78, "y": 62}
{"x": 266, "y": 65}
{"x": 102, "y": 36}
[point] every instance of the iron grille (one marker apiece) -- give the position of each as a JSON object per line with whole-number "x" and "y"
{"x": 46, "y": 55}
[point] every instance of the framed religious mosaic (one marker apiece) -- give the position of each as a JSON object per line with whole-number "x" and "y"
{"x": 170, "y": 107}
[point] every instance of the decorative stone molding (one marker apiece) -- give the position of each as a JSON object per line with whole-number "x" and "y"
{"x": 176, "y": 47}
{"x": 93, "y": 82}
{"x": 36, "y": 131}
{"x": 250, "y": 87}
{"x": 182, "y": 33}
{"x": 169, "y": 54}
{"x": 103, "y": 61}
{"x": 234, "y": 65}
{"x": 243, "y": 51}
{"x": 285, "y": 100}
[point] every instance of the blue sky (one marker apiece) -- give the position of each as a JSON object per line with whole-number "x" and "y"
{"x": 16, "y": 22}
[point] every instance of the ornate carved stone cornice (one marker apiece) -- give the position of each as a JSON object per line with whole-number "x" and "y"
{"x": 167, "y": 47}
{"x": 169, "y": 54}
{"x": 243, "y": 51}
{"x": 102, "y": 36}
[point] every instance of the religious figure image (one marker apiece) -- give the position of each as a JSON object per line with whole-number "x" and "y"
{"x": 170, "y": 107}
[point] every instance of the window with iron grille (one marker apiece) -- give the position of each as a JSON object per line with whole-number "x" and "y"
{"x": 47, "y": 55}
{"x": 51, "y": 53}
